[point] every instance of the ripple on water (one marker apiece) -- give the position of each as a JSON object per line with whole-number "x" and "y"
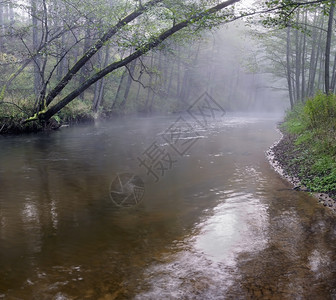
{"x": 319, "y": 263}
{"x": 187, "y": 275}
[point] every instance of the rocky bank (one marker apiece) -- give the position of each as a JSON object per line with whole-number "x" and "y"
{"x": 281, "y": 155}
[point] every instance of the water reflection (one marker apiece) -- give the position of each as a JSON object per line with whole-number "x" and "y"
{"x": 219, "y": 225}
{"x": 239, "y": 224}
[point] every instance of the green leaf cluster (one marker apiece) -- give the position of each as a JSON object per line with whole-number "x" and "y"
{"x": 313, "y": 125}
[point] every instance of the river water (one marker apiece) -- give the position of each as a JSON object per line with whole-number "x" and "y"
{"x": 215, "y": 221}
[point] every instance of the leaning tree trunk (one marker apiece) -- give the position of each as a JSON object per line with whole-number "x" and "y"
{"x": 45, "y": 115}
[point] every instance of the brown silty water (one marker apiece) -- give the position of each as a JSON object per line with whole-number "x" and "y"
{"x": 215, "y": 222}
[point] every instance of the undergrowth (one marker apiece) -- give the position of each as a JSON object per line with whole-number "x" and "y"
{"x": 76, "y": 111}
{"x": 14, "y": 112}
{"x": 314, "y": 126}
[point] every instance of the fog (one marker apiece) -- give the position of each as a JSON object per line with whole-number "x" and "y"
{"x": 228, "y": 63}
{"x": 230, "y": 66}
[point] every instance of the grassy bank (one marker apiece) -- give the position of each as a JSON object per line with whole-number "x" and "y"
{"x": 310, "y": 143}
{"x": 13, "y": 113}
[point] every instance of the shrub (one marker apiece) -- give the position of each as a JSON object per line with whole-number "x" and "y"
{"x": 313, "y": 125}
{"x": 320, "y": 112}
{"x": 76, "y": 111}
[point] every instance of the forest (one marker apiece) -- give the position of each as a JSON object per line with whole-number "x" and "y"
{"x": 167, "y": 149}
{"x": 68, "y": 60}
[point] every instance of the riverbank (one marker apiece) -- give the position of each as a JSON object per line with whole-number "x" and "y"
{"x": 294, "y": 163}
{"x": 9, "y": 126}
{"x": 12, "y": 117}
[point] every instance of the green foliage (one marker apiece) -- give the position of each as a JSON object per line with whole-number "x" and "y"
{"x": 286, "y": 11}
{"x": 326, "y": 183}
{"x": 323, "y": 165}
{"x": 317, "y": 116}
{"x": 294, "y": 121}
{"x": 17, "y": 110}
{"x": 320, "y": 112}
{"x": 76, "y": 111}
{"x": 313, "y": 126}
{"x": 304, "y": 138}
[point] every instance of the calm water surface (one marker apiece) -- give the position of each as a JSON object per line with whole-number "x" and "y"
{"x": 218, "y": 224}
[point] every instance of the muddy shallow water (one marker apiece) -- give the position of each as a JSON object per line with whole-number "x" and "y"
{"x": 215, "y": 222}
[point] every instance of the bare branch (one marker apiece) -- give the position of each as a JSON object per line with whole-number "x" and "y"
{"x": 138, "y": 81}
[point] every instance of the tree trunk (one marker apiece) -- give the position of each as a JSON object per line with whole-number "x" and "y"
{"x": 333, "y": 77}
{"x": 321, "y": 73}
{"x": 310, "y": 82}
{"x": 297, "y": 65}
{"x": 315, "y": 59}
{"x": 11, "y": 18}
{"x": 128, "y": 83}
{"x": 37, "y": 58}
{"x": 1, "y": 28}
{"x": 61, "y": 66}
{"x": 170, "y": 81}
{"x": 119, "y": 89}
{"x": 97, "y": 84}
{"x": 328, "y": 46}
{"x": 303, "y": 63}
{"x": 84, "y": 70}
{"x": 178, "y": 75}
{"x": 6, "y": 13}
{"x": 298, "y": 60}
{"x": 150, "y": 89}
{"x": 97, "y": 102}
{"x": 185, "y": 89}
{"x": 288, "y": 57}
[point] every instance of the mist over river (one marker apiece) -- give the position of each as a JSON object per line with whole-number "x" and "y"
{"x": 213, "y": 220}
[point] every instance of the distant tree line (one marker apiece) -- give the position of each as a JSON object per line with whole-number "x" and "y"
{"x": 302, "y": 49}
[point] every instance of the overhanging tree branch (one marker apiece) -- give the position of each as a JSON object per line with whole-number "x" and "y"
{"x": 95, "y": 48}
{"x": 154, "y": 42}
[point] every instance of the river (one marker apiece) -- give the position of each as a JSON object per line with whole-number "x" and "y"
{"x": 209, "y": 218}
